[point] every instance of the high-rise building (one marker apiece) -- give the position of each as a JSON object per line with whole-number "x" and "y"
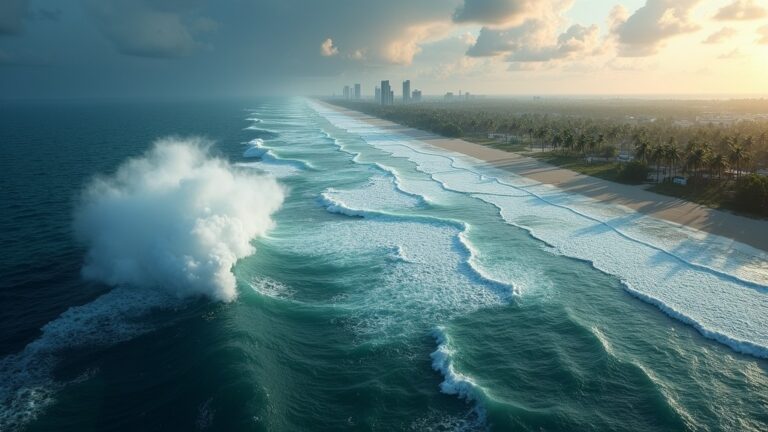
{"x": 416, "y": 96}
{"x": 406, "y": 91}
{"x": 346, "y": 92}
{"x": 357, "y": 91}
{"x": 377, "y": 96}
{"x": 387, "y": 95}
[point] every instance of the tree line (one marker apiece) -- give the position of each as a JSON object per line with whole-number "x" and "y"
{"x": 656, "y": 139}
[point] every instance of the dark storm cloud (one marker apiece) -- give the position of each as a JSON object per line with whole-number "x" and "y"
{"x": 104, "y": 46}
{"x": 493, "y": 11}
{"x": 12, "y": 14}
{"x": 151, "y": 28}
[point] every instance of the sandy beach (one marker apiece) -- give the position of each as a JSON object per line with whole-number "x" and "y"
{"x": 753, "y": 232}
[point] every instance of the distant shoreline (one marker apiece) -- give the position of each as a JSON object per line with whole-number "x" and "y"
{"x": 752, "y": 232}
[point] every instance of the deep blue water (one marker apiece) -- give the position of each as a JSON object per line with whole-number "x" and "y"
{"x": 399, "y": 289}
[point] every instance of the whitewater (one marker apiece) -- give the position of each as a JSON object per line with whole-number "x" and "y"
{"x": 657, "y": 262}
{"x": 306, "y": 270}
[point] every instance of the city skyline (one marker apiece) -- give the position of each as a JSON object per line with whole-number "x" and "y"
{"x": 155, "y": 48}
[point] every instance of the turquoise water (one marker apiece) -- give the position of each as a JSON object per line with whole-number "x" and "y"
{"x": 403, "y": 288}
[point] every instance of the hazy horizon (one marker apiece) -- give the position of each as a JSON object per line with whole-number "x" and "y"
{"x": 202, "y": 49}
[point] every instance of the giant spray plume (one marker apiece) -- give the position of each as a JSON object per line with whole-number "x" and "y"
{"x": 175, "y": 219}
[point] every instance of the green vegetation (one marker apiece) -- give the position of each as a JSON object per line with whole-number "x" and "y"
{"x": 752, "y": 194}
{"x": 715, "y": 195}
{"x": 716, "y": 145}
{"x": 607, "y": 171}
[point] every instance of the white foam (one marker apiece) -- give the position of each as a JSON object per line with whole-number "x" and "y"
{"x": 379, "y": 194}
{"x": 271, "y": 288}
{"x": 27, "y": 385}
{"x": 175, "y": 219}
{"x": 694, "y": 277}
{"x": 256, "y": 148}
{"x": 279, "y": 171}
{"x": 454, "y": 382}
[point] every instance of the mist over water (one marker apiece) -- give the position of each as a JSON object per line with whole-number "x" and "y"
{"x": 319, "y": 273}
{"x": 175, "y": 219}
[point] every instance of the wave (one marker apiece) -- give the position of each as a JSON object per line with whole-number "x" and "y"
{"x": 454, "y": 382}
{"x": 258, "y": 149}
{"x": 721, "y": 305}
{"x": 263, "y": 133}
{"x": 27, "y": 382}
{"x": 174, "y": 219}
{"x": 166, "y": 227}
{"x": 461, "y": 243}
{"x": 392, "y": 172}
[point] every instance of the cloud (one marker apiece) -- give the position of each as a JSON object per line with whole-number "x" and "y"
{"x": 741, "y": 10}
{"x": 496, "y": 12}
{"x": 402, "y": 49}
{"x": 644, "y": 32}
{"x": 12, "y": 13}
{"x": 327, "y": 49}
{"x": 151, "y": 28}
{"x": 577, "y": 41}
{"x": 174, "y": 220}
{"x": 538, "y": 39}
{"x": 721, "y": 35}
{"x": 730, "y": 55}
{"x": 763, "y": 35}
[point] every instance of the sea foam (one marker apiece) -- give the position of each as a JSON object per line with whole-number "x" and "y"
{"x": 724, "y": 298}
{"x": 174, "y": 219}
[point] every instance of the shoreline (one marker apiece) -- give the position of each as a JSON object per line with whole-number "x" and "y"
{"x": 752, "y": 232}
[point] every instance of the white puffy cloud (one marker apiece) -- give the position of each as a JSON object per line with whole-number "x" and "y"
{"x": 538, "y": 38}
{"x": 327, "y": 49}
{"x": 644, "y": 32}
{"x": 151, "y": 28}
{"x": 402, "y": 49}
{"x": 741, "y": 10}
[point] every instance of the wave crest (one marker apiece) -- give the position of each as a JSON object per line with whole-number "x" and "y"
{"x": 174, "y": 219}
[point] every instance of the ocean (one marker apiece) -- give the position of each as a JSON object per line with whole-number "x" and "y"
{"x": 276, "y": 265}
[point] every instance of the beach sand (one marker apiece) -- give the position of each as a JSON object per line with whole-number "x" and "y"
{"x": 753, "y": 232}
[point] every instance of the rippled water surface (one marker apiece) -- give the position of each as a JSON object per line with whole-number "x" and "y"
{"x": 401, "y": 288}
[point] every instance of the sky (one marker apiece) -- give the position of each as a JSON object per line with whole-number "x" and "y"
{"x": 244, "y": 48}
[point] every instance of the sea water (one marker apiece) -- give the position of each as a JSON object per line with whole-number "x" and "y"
{"x": 399, "y": 287}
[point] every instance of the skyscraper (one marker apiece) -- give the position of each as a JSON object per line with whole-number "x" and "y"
{"x": 378, "y": 95}
{"x": 416, "y": 96}
{"x": 406, "y": 91}
{"x": 387, "y": 96}
{"x": 346, "y": 92}
{"x": 357, "y": 91}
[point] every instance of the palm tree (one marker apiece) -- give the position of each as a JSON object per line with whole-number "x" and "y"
{"x": 598, "y": 142}
{"x": 737, "y": 155}
{"x": 642, "y": 148}
{"x": 672, "y": 155}
{"x": 657, "y": 155}
{"x": 696, "y": 159}
{"x": 718, "y": 164}
{"x": 569, "y": 141}
{"x": 581, "y": 143}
